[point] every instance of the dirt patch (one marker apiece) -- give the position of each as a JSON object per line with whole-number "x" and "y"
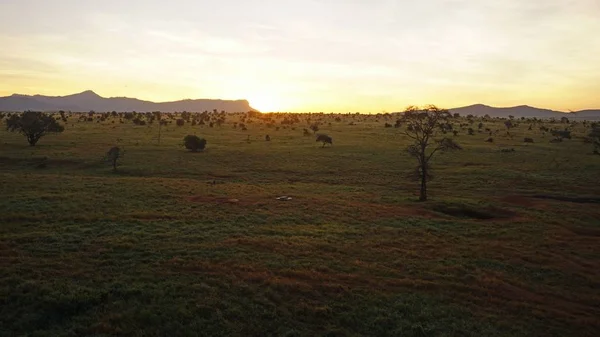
{"x": 207, "y": 199}
{"x": 518, "y": 200}
{"x": 475, "y": 164}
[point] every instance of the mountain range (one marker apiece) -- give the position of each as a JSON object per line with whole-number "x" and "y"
{"x": 89, "y": 100}
{"x": 523, "y": 111}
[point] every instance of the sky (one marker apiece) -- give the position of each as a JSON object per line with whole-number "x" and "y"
{"x": 311, "y": 55}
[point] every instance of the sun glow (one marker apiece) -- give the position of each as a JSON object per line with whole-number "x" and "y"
{"x": 265, "y": 102}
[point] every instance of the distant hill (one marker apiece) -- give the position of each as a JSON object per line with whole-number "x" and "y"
{"x": 522, "y": 111}
{"x": 89, "y": 100}
{"x": 588, "y": 113}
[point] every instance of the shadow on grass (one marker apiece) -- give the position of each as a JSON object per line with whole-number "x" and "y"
{"x": 579, "y": 200}
{"x": 472, "y": 211}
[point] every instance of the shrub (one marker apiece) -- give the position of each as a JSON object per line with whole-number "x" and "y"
{"x": 180, "y": 122}
{"x": 314, "y": 127}
{"x": 194, "y": 143}
{"x": 528, "y": 140}
{"x": 561, "y": 134}
{"x": 325, "y": 139}
{"x": 490, "y": 140}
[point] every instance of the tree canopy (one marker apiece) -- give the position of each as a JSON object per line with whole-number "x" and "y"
{"x": 34, "y": 125}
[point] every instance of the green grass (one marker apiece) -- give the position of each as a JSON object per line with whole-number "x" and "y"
{"x": 157, "y": 249}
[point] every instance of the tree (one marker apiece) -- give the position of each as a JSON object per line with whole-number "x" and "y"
{"x": 325, "y": 139}
{"x": 113, "y": 155}
{"x": 194, "y": 143}
{"x": 423, "y": 126}
{"x": 34, "y": 125}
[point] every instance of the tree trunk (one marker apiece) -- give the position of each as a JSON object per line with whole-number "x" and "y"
{"x": 32, "y": 140}
{"x": 423, "y": 192}
{"x": 159, "y": 127}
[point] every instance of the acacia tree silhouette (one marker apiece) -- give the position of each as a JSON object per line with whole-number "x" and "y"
{"x": 422, "y": 127}
{"x": 33, "y": 125}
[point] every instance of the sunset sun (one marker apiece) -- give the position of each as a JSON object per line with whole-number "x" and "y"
{"x": 264, "y": 102}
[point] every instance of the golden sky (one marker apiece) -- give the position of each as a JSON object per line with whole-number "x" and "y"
{"x": 312, "y": 55}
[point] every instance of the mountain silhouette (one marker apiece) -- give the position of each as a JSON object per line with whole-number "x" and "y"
{"x": 89, "y": 100}
{"x": 522, "y": 111}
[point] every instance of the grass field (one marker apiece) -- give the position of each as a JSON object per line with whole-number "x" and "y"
{"x": 176, "y": 243}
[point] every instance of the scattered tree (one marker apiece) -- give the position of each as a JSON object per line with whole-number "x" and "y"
{"x": 594, "y": 135}
{"x": 33, "y": 125}
{"x": 194, "y": 143}
{"x": 423, "y": 126}
{"x": 113, "y": 155}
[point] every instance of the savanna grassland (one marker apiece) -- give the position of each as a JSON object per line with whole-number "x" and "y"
{"x": 176, "y": 243}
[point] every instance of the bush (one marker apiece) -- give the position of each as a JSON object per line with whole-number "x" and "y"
{"x": 194, "y": 143}
{"x": 561, "y": 134}
{"x": 528, "y": 140}
{"x": 490, "y": 140}
{"x": 180, "y": 122}
{"x": 325, "y": 139}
